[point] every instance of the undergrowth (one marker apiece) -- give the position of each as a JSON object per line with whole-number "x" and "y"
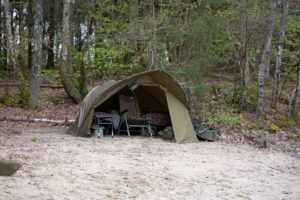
{"x": 55, "y": 99}
{"x": 51, "y": 76}
{"x": 217, "y": 112}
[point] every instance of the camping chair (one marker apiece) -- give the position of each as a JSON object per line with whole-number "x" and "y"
{"x": 111, "y": 120}
{"x": 131, "y": 115}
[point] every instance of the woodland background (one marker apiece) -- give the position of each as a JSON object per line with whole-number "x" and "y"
{"x": 238, "y": 61}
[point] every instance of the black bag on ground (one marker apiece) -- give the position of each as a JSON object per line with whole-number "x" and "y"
{"x": 205, "y": 132}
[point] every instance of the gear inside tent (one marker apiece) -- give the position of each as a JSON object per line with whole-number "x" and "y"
{"x": 148, "y": 102}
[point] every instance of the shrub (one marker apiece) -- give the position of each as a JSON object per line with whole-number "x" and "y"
{"x": 55, "y": 99}
{"x": 226, "y": 118}
{"x": 51, "y": 76}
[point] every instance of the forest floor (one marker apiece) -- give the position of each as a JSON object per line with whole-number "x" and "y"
{"x": 59, "y": 166}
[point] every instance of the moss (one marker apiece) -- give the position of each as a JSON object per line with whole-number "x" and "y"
{"x": 23, "y": 89}
{"x": 245, "y": 102}
{"x": 281, "y": 121}
{"x": 34, "y": 139}
{"x": 273, "y": 128}
{"x": 225, "y": 117}
{"x": 55, "y": 99}
{"x": 51, "y": 76}
{"x": 260, "y": 122}
{"x": 279, "y": 117}
{"x": 297, "y": 114}
{"x": 249, "y": 126}
{"x": 290, "y": 122}
{"x": 294, "y": 136}
{"x": 252, "y": 90}
{"x": 223, "y": 85}
{"x": 284, "y": 100}
{"x": 38, "y": 108}
{"x": 2, "y": 73}
{"x": 7, "y": 101}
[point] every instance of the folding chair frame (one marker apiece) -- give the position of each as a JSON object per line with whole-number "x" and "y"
{"x": 129, "y": 125}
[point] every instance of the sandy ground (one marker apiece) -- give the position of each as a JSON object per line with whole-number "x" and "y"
{"x": 59, "y": 166}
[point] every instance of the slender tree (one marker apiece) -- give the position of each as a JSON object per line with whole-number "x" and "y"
{"x": 2, "y": 55}
{"x": 22, "y": 50}
{"x": 37, "y": 56}
{"x": 244, "y": 54}
{"x": 71, "y": 85}
{"x": 296, "y": 107}
{"x": 85, "y": 55}
{"x": 10, "y": 45}
{"x": 51, "y": 34}
{"x": 30, "y": 32}
{"x": 263, "y": 64}
{"x": 284, "y": 13}
{"x": 12, "y": 56}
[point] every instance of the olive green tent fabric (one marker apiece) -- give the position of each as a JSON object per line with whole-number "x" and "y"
{"x": 181, "y": 122}
{"x": 174, "y": 97}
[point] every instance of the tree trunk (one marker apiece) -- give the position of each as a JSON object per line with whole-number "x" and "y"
{"x": 70, "y": 84}
{"x": 51, "y": 32}
{"x": 42, "y": 85}
{"x": 78, "y": 36}
{"x": 22, "y": 49}
{"x": 85, "y": 56}
{"x": 263, "y": 64}
{"x": 28, "y": 118}
{"x": 30, "y": 32}
{"x": 10, "y": 51}
{"x": 284, "y": 13}
{"x": 244, "y": 57}
{"x": 1, "y": 41}
{"x": 44, "y": 38}
{"x": 37, "y": 56}
{"x": 12, "y": 56}
{"x": 296, "y": 107}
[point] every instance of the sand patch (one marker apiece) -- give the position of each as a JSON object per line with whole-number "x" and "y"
{"x": 59, "y": 166}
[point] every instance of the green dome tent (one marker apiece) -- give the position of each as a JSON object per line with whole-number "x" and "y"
{"x": 158, "y": 91}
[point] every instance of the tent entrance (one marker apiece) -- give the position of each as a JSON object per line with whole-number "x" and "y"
{"x": 151, "y": 101}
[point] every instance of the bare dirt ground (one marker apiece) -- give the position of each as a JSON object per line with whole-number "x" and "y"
{"x": 60, "y": 166}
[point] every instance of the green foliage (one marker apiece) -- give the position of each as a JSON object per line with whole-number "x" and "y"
{"x": 249, "y": 126}
{"x": 297, "y": 114}
{"x": 290, "y": 122}
{"x": 38, "y": 108}
{"x": 51, "y": 76}
{"x": 55, "y": 99}
{"x": 113, "y": 62}
{"x": 216, "y": 112}
{"x": 273, "y": 128}
{"x": 252, "y": 90}
{"x": 281, "y": 120}
{"x": 291, "y": 52}
{"x": 235, "y": 98}
{"x": 223, "y": 85}
{"x": 260, "y": 122}
{"x": 24, "y": 91}
{"x": 76, "y": 59}
{"x": 2, "y": 73}
{"x": 214, "y": 118}
{"x": 294, "y": 136}
{"x": 7, "y": 100}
